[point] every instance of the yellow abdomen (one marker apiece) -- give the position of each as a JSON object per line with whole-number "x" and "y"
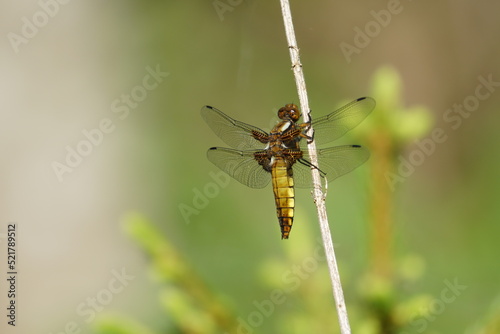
{"x": 284, "y": 194}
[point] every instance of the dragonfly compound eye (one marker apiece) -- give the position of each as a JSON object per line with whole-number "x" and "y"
{"x": 289, "y": 111}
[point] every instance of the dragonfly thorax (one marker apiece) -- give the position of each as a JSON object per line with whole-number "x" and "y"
{"x": 281, "y": 127}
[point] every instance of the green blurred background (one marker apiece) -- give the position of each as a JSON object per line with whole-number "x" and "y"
{"x": 442, "y": 220}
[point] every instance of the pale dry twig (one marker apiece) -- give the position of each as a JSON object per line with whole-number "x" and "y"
{"x": 319, "y": 197}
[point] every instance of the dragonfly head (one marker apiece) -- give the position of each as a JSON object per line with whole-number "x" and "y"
{"x": 289, "y": 112}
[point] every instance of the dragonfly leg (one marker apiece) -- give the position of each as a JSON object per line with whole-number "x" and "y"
{"x": 310, "y": 138}
{"x": 310, "y": 165}
{"x": 305, "y": 127}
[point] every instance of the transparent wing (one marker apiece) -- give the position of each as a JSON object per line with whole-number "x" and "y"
{"x": 335, "y": 125}
{"x": 234, "y": 133}
{"x": 241, "y": 165}
{"x": 333, "y": 163}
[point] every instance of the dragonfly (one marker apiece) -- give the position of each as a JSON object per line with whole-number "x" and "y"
{"x": 281, "y": 157}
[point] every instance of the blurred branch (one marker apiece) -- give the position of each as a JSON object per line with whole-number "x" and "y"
{"x": 185, "y": 293}
{"x": 392, "y": 128}
{"x": 490, "y": 324}
{"x": 381, "y": 204}
{"x": 389, "y": 131}
{"x": 319, "y": 197}
{"x": 113, "y": 324}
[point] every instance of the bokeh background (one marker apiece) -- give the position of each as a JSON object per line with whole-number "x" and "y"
{"x": 132, "y": 204}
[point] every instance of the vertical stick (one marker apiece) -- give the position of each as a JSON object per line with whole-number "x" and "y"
{"x": 319, "y": 197}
